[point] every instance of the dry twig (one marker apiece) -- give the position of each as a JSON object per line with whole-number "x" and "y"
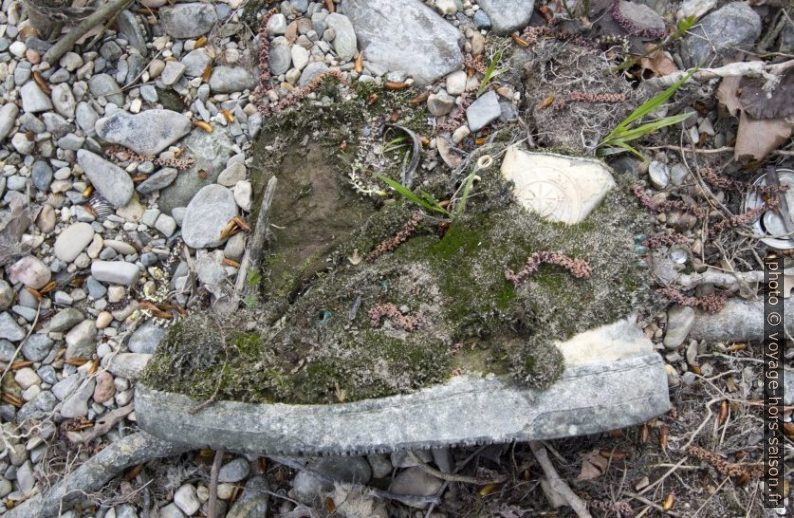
{"x": 556, "y": 483}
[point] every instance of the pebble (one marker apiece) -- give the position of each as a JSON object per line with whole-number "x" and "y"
{"x": 188, "y": 20}
{"x": 76, "y": 405}
{"x": 7, "y": 294}
{"x": 129, "y": 365}
{"x": 225, "y": 79}
{"x": 26, "y": 377}
{"x": 243, "y": 193}
{"x": 280, "y": 56}
{"x": 37, "y": 347}
{"x": 300, "y": 57}
{"x": 311, "y": 71}
{"x": 207, "y": 215}
{"x": 392, "y": 34}
{"x": 483, "y": 111}
{"x": 234, "y": 173}
{"x": 730, "y": 28}
{"x": 186, "y": 500}
{"x": 170, "y": 511}
{"x": 440, "y": 104}
{"x": 456, "y": 82}
{"x": 33, "y": 99}
{"x": 64, "y": 320}
{"x": 165, "y": 224}
{"x": 506, "y": 16}
{"x": 146, "y": 338}
{"x": 80, "y": 340}
{"x": 72, "y": 241}
{"x": 416, "y": 482}
{"x": 146, "y": 133}
{"x": 8, "y": 115}
{"x": 344, "y": 38}
{"x": 680, "y": 320}
{"x": 30, "y": 271}
{"x": 25, "y": 479}
{"x": 105, "y": 388}
{"x": 104, "y": 87}
{"x": 659, "y": 174}
{"x": 115, "y": 272}
{"x": 111, "y": 181}
{"x": 253, "y": 502}
{"x": 63, "y": 100}
{"x": 195, "y": 62}
{"x": 234, "y": 471}
{"x": 172, "y": 72}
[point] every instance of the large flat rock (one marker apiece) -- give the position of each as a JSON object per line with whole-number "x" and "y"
{"x": 507, "y": 15}
{"x": 405, "y": 36}
{"x": 556, "y": 187}
{"x": 146, "y": 133}
{"x": 613, "y": 379}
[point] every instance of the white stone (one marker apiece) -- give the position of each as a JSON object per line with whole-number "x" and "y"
{"x": 115, "y": 272}
{"x": 242, "y": 195}
{"x": 72, "y": 241}
{"x": 447, "y": 7}
{"x": 26, "y": 378}
{"x": 300, "y": 57}
{"x": 456, "y": 82}
{"x": 185, "y": 498}
{"x": 558, "y": 188}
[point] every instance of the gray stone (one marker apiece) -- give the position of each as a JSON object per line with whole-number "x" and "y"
{"x": 727, "y": 30}
{"x": 483, "y": 111}
{"x": 63, "y": 100}
{"x": 277, "y": 24}
{"x": 188, "y": 20}
{"x": 129, "y": 365}
{"x": 345, "y": 36}
{"x": 22, "y": 144}
{"x": 481, "y": 20}
{"x": 81, "y": 340}
{"x": 406, "y": 37}
{"x": 37, "y": 347}
{"x": 71, "y": 142}
{"x": 234, "y": 471}
{"x": 507, "y": 16}
{"x": 680, "y": 320}
{"x": 643, "y": 21}
{"x": 111, "y": 181}
{"x": 196, "y": 61}
{"x": 149, "y": 94}
{"x": 8, "y": 116}
{"x": 165, "y": 224}
{"x": 311, "y": 71}
{"x": 206, "y": 216}
{"x": 172, "y": 72}
{"x": 147, "y": 133}
{"x": 788, "y": 387}
{"x": 7, "y": 351}
{"x": 659, "y": 174}
{"x": 115, "y": 272}
{"x": 440, "y": 103}
{"x": 211, "y": 152}
{"x": 280, "y": 56}
{"x": 170, "y": 511}
{"x": 380, "y": 464}
{"x": 29, "y": 271}
{"x": 76, "y": 405}
{"x": 9, "y": 329}
{"x": 33, "y": 99}
{"x": 132, "y": 29}
{"x": 72, "y": 241}
{"x": 234, "y": 173}
{"x": 159, "y": 180}
{"x": 226, "y": 79}
{"x": 146, "y": 338}
{"x": 253, "y": 502}
{"x": 185, "y": 499}
{"x": 415, "y": 482}
{"x": 86, "y": 117}
{"x": 103, "y": 86}
{"x": 309, "y": 488}
{"x": 25, "y": 479}
{"x": 613, "y": 379}
{"x": 64, "y": 320}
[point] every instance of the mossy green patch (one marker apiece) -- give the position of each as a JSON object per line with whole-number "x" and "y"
{"x": 333, "y": 324}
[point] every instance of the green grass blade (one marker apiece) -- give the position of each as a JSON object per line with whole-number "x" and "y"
{"x": 410, "y": 196}
{"x": 653, "y": 104}
{"x": 460, "y": 207}
{"x": 491, "y": 72}
{"x": 654, "y": 125}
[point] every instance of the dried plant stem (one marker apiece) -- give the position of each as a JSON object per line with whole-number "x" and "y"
{"x": 213, "y": 489}
{"x": 557, "y": 483}
{"x": 770, "y": 72}
{"x": 65, "y": 43}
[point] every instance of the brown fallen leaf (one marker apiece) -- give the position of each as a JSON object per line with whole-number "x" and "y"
{"x": 757, "y": 138}
{"x": 659, "y": 62}
{"x": 728, "y": 94}
{"x": 762, "y": 103}
{"x": 593, "y": 465}
{"x": 448, "y": 154}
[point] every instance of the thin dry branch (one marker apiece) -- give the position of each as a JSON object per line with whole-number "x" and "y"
{"x": 770, "y": 72}
{"x": 556, "y": 483}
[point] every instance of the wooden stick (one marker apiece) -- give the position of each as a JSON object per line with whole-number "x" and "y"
{"x": 65, "y": 44}
{"x": 216, "y": 466}
{"x": 557, "y": 484}
{"x": 256, "y": 243}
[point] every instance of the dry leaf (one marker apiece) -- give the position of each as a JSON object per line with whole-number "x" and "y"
{"x": 593, "y": 465}
{"x": 659, "y": 62}
{"x": 727, "y": 94}
{"x": 757, "y": 138}
{"x": 760, "y": 103}
{"x": 448, "y": 154}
